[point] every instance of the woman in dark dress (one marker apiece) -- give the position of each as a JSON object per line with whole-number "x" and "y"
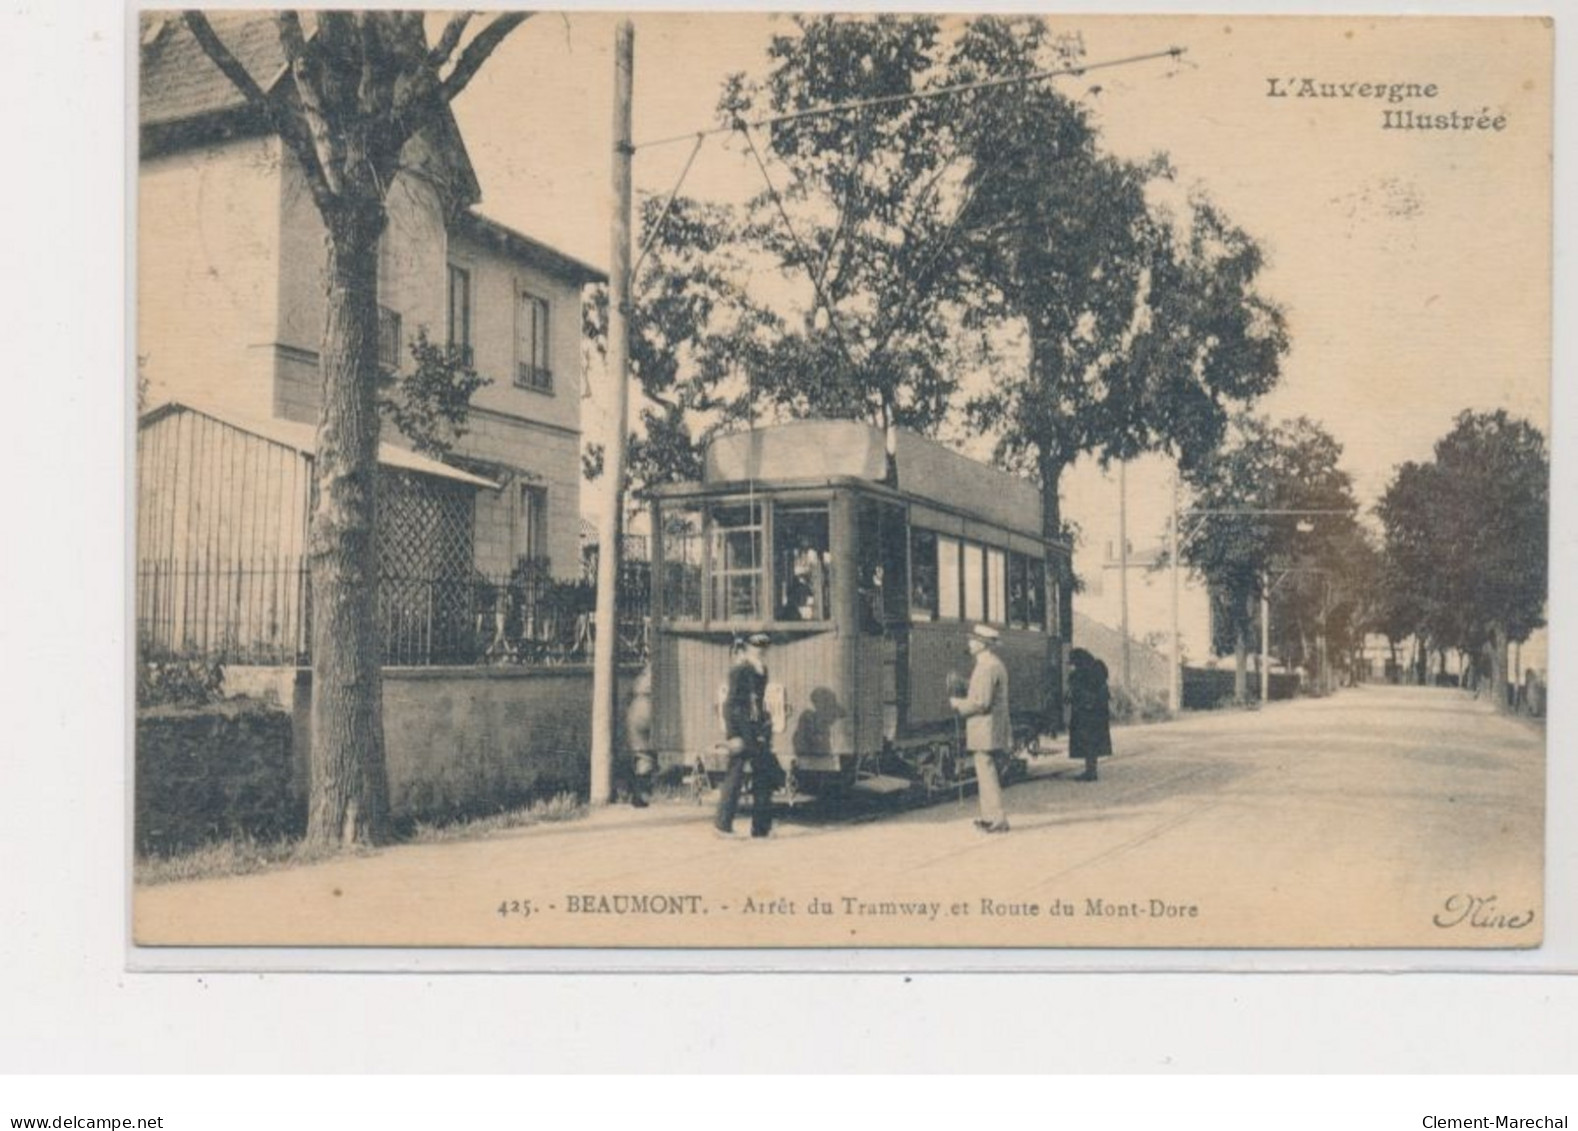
{"x": 1089, "y": 726}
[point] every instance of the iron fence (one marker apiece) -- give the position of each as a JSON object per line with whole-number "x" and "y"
{"x": 261, "y": 613}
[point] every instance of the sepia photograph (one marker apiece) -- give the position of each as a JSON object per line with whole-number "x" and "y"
{"x": 738, "y": 481}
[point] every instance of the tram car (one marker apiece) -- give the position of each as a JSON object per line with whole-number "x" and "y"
{"x": 868, "y": 558}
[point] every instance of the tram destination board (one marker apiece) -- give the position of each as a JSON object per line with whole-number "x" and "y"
{"x": 1090, "y": 486}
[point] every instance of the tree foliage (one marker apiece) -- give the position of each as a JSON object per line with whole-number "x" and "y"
{"x": 431, "y": 402}
{"x": 859, "y": 212}
{"x": 922, "y": 236}
{"x": 1467, "y": 539}
{"x": 1144, "y": 330}
{"x": 1243, "y": 546}
{"x": 696, "y": 336}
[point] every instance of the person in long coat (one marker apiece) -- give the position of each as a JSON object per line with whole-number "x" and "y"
{"x": 988, "y": 734}
{"x": 1090, "y": 722}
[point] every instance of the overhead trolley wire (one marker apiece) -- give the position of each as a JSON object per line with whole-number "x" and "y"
{"x": 912, "y": 96}
{"x": 744, "y": 126}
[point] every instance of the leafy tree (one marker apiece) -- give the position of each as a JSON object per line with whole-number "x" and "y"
{"x": 1143, "y": 333}
{"x": 359, "y": 87}
{"x": 862, "y": 216}
{"x": 1467, "y": 539}
{"x": 695, "y": 333}
{"x": 1242, "y": 546}
{"x": 431, "y": 403}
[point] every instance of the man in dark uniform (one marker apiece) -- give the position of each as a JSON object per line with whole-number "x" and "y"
{"x": 749, "y": 730}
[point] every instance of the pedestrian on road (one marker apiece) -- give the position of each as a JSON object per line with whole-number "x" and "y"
{"x": 638, "y": 740}
{"x": 1089, "y": 723}
{"x": 987, "y": 732}
{"x": 748, "y": 729}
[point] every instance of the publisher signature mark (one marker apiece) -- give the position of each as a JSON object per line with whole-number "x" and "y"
{"x": 1464, "y": 909}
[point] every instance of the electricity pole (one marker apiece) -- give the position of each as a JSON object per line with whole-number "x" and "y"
{"x": 605, "y": 652}
{"x": 1123, "y": 565}
{"x": 1175, "y": 680}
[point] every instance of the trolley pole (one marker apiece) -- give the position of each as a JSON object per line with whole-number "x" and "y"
{"x": 606, "y": 648}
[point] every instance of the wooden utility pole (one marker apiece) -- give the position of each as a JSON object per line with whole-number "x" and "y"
{"x": 1175, "y": 677}
{"x": 605, "y": 653}
{"x": 1123, "y": 567}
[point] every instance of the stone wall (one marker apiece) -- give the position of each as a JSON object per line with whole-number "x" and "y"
{"x": 462, "y": 741}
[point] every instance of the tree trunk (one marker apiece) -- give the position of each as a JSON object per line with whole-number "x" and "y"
{"x": 1241, "y": 661}
{"x": 1050, "y": 468}
{"x": 349, "y": 801}
{"x": 1497, "y": 676}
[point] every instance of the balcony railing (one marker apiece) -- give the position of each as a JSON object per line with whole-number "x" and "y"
{"x": 529, "y": 376}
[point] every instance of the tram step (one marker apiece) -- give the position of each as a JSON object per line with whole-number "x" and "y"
{"x": 882, "y": 784}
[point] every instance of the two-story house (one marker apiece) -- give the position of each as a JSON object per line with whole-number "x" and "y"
{"x": 230, "y": 255}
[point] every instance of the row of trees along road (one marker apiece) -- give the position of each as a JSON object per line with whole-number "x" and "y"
{"x": 1276, "y": 512}
{"x": 1465, "y": 566}
{"x": 987, "y": 227}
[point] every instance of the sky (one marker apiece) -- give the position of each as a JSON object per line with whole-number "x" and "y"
{"x": 1414, "y": 265}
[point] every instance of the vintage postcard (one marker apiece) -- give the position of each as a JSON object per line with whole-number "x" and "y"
{"x": 742, "y": 480}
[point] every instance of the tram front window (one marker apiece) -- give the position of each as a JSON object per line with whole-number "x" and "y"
{"x": 681, "y": 575}
{"x": 737, "y": 561}
{"x": 802, "y": 564}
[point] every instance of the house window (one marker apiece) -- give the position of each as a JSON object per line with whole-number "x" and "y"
{"x": 531, "y": 529}
{"x": 460, "y": 316}
{"x": 389, "y": 339}
{"x": 531, "y": 344}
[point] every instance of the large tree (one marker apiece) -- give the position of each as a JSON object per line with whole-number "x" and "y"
{"x": 1274, "y": 508}
{"x": 1467, "y": 539}
{"x": 695, "y": 334}
{"x": 860, "y": 214}
{"x": 360, "y": 87}
{"x": 1144, "y": 330}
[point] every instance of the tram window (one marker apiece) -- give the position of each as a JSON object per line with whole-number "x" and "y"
{"x": 947, "y": 578}
{"x": 1018, "y": 598}
{"x": 737, "y": 562}
{"x": 881, "y": 563}
{"x": 682, "y": 546}
{"x": 923, "y": 574}
{"x": 802, "y": 564}
{"x": 1035, "y": 593}
{"x": 1054, "y": 602}
{"x": 974, "y": 581}
{"x": 996, "y": 577}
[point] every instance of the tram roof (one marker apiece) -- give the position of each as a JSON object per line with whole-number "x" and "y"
{"x": 823, "y": 450}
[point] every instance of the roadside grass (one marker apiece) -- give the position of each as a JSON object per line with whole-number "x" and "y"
{"x": 245, "y": 855}
{"x": 559, "y": 807}
{"x": 238, "y": 856}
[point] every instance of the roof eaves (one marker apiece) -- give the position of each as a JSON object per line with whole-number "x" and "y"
{"x": 533, "y": 251}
